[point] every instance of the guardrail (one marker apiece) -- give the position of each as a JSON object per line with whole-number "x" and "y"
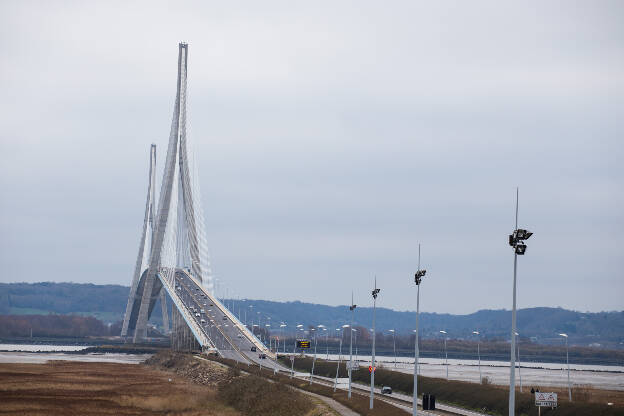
{"x": 202, "y": 338}
{"x": 241, "y": 327}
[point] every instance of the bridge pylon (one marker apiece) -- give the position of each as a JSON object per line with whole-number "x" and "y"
{"x": 177, "y": 235}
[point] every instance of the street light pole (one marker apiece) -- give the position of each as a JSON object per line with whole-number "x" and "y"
{"x": 568, "y": 362}
{"x": 352, "y": 309}
{"x": 417, "y": 279}
{"x": 516, "y": 240}
{"x": 445, "y": 353}
{"x": 314, "y": 360}
{"x": 326, "y": 342}
{"x": 356, "y": 344}
{"x": 393, "y": 345}
{"x": 375, "y": 292}
{"x": 340, "y": 350}
{"x": 479, "y": 354}
{"x": 337, "y": 367}
{"x": 518, "y": 358}
{"x": 282, "y": 325}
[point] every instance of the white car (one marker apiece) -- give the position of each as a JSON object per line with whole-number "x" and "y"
{"x": 196, "y": 314}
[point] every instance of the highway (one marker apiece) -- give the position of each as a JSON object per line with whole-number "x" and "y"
{"x": 227, "y": 333}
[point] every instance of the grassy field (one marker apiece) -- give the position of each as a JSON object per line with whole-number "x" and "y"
{"x": 76, "y": 388}
{"x": 84, "y": 389}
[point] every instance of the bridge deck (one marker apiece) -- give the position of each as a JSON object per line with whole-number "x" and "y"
{"x": 218, "y": 327}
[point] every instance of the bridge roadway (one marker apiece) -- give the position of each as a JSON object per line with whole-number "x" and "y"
{"x": 231, "y": 338}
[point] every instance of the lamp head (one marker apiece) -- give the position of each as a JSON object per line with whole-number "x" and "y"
{"x": 520, "y": 249}
{"x": 419, "y": 275}
{"x": 523, "y": 234}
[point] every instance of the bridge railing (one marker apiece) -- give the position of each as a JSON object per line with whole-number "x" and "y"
{"x": 202, "y": 338}
{"x": 242, "y": 328}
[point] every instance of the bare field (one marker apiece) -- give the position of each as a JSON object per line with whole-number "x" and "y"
{"x": 78, "y": 388}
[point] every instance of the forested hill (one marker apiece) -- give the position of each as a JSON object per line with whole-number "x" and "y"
{"x": 108, "y": 303}
{"x": 105, "y": 302}
{"x": 541, "y": 325}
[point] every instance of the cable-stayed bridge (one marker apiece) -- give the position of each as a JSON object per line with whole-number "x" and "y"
{"x": 173, "y": 262}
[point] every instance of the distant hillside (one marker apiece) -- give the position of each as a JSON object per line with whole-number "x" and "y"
{"x": 539, "y": 324}
{"x": 105, "y": 302}
{"x": 108, "y": 302}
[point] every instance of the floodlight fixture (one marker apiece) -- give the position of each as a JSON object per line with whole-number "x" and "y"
{"x": 563, "y": 335}
{"x": 520, "y": 249}
{"x": 442, "y": 332}
{"x": 419, "y": 275}
{"x": 523, "y": 234}
{"x": 475, "y": 332}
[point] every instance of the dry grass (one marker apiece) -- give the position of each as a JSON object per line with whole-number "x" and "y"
{"x": 78, "y": 388}
{"x": 254, "y": 395}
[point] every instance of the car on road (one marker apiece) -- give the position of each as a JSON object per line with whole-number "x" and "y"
{"x": 196, "y": 314}
{"x": 386, "y": 390}
{"x": 262, "y": 356}
{"x": 224, "y": 318}
{"x": 203, "y": 321}
{"x": 253, "y": 349}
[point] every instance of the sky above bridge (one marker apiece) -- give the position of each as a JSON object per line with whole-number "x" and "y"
{"x": 332, "y": 138}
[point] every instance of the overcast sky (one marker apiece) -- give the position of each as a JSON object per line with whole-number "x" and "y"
{"x": 332, "y": 138}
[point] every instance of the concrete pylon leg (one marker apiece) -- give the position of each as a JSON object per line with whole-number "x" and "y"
{"x": 165, "y": 312}
{"x": 142, "y": 260}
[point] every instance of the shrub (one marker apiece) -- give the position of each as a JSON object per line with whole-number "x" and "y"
{"x": 253, "y": 395}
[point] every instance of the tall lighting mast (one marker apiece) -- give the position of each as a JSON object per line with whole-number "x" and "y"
{"x": 374, "y": 292}
{"x": 516, "y": 240}
{"x": 417, "y": 279}
{"x": 352, "y": 309}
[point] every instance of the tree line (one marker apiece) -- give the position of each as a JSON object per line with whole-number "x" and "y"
{"x": 53, "y": 325}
